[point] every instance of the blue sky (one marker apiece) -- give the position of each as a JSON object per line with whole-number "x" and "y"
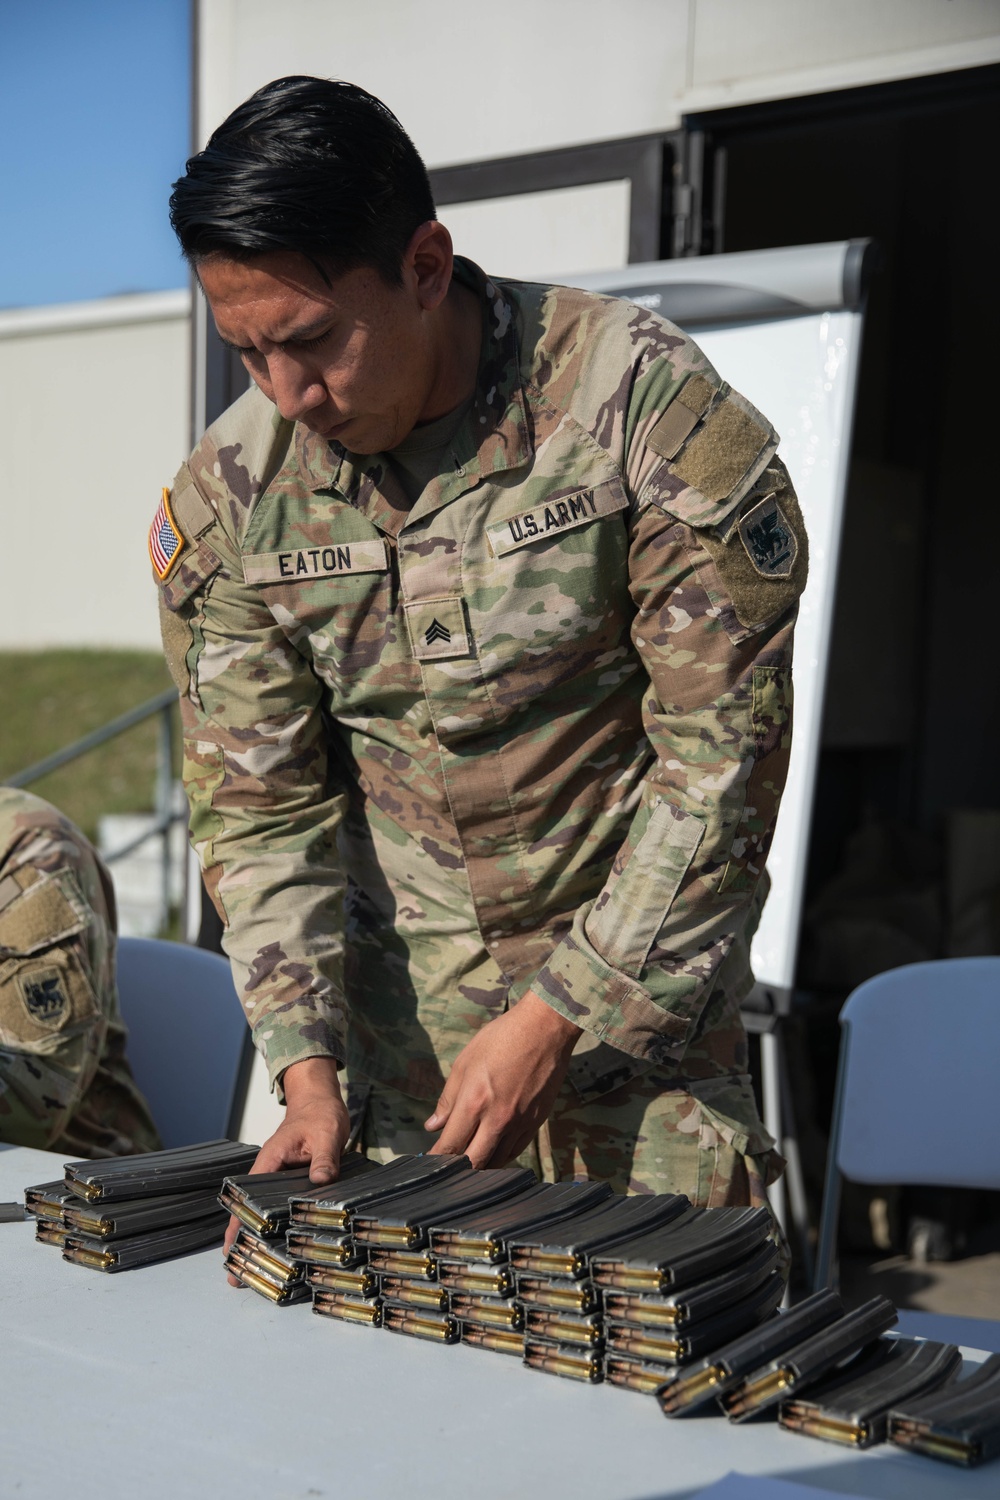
{"x": 95, "y": 121}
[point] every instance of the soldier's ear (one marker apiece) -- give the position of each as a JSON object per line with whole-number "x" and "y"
{"x": 427, "y": 264}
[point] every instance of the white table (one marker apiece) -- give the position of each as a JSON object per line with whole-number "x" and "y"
{"x": 167, "y": 1382}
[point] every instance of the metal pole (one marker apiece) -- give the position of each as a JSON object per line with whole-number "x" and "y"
{"x": 771, "y": 1090}
{"x": 91, "y": 741}
{"x": 164, "y": 807}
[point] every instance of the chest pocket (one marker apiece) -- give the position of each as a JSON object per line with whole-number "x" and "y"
{"x": 554, "y": 517}
{"x": 548, "y": 597}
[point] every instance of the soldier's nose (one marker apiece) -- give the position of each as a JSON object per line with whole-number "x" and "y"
{"x": 294, "y": 394}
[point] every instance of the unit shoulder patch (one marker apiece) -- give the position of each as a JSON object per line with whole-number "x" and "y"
{"x": 769, "y": 540}
{"x": 44, "y": 994}
{"x": 165, "y": 539}
{"x": 759, "y": 560}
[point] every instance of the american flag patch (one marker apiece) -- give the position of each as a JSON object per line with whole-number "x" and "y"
{"x": 165, "y": 541}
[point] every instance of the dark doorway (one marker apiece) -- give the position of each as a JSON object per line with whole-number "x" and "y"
{"x": 905, "y": 850}
{"x": 913, "y": 716}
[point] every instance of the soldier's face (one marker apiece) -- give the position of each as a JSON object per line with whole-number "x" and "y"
{"x": 356, "y": 361}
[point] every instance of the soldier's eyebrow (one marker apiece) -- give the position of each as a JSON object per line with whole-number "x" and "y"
{"x": 318, "y": 329}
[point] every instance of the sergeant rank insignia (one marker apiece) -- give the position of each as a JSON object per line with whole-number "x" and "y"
{"x": 165, "y": 541}
{"x": 768, "y": 539}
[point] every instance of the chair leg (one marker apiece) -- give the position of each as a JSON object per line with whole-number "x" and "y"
{"x": 826, "y": 1267}
{"x": 770, "y": 1083}
{"x": 827, "y": 1271}
{"x": 796, "y": 1183}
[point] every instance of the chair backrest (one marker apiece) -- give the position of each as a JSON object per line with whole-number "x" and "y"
{"x": 919, "y": 1091}
{"x": 189, "y": 1043}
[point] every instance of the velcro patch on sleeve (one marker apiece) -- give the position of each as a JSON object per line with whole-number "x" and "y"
{"x": 555, "y": 516}
{"x": 165, "y": 539}
{"x": 727, "y": 445}
{"x": 300, "y": 564}
{"x": 9, "y": 891}
{"x": 192, "y": 512}
{"x": 681, "y": 417}
{"x": 43, "y": 916}
{"x": 438, "y": 630}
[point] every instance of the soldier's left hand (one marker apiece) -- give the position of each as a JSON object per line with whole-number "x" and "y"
{"x": 503, "y": 1084}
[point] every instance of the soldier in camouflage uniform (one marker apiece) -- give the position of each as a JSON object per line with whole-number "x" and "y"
{"x": 65, "y": 1083}
{"x": 486, "y": 696}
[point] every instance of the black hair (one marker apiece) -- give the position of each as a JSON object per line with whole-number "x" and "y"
{"x": 311, "y": 165}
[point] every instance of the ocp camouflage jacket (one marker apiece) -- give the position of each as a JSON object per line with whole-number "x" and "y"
{"x": 530, "y": 732}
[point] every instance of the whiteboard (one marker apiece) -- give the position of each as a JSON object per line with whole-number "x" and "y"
{"x": 791, "y": 343}
{"x": 801, "y": 373}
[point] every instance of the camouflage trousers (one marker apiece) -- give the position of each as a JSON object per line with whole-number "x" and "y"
{"x": 65, "y": 1083}
{"x": 652, "y": 1135}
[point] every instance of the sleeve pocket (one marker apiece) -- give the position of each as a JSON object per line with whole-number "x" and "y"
{"x": 624, "y": 923}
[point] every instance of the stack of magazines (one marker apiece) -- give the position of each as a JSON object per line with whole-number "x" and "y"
{"x": 130, "y": 1211}
{"x": 645, "y": 1292}
{"x": 955, "y": 1420}
{"x": 338, "y": 1267}
{"x": 474, "y": 1261}
{"x": 831, "y": 1374}
{"x": 594, "y": 1288}
{"x": 396, "y": 1233}
{"x": 672, "y": 1296}
{"x": 260, "y": 1257}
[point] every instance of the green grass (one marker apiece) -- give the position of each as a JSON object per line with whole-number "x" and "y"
{"x": 50, "y": 698}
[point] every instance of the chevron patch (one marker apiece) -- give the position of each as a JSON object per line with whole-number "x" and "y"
{"x": 438, "y": 628}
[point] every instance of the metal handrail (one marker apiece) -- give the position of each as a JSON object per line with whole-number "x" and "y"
{"x": 165, "y": 705}
{"x": 108, "y": 731}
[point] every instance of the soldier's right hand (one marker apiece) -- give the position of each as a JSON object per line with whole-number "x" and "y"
{"x": 315, "y": 1129}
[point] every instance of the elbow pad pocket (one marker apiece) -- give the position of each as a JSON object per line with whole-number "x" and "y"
{"x": 772, "y": 729}
{"x": 625, "y": 920}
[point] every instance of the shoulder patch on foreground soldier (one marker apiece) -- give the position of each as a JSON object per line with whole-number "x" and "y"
{"x": 715, "y": 446}
{"x": 165, "y": 539}
{"x": 191, "y": 561}
{"x": 760, "y": 554}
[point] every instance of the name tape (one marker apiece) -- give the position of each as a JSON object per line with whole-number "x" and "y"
{"x": 558, "y": 515}
{"x": 302, "y": 563}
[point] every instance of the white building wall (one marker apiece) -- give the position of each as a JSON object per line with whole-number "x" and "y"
{"x": 470, "y": 82}
{"x": 95, "y": 414}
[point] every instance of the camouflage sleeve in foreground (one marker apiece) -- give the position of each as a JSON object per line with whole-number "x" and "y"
{"x": 264, "y": 811}
{"x": 64, "y": 1081}
{"x": 718, "y": 558}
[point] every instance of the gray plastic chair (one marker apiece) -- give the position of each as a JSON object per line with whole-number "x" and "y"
{"x": 189, "y": 1044}
{"x": 918, "y": 1092}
